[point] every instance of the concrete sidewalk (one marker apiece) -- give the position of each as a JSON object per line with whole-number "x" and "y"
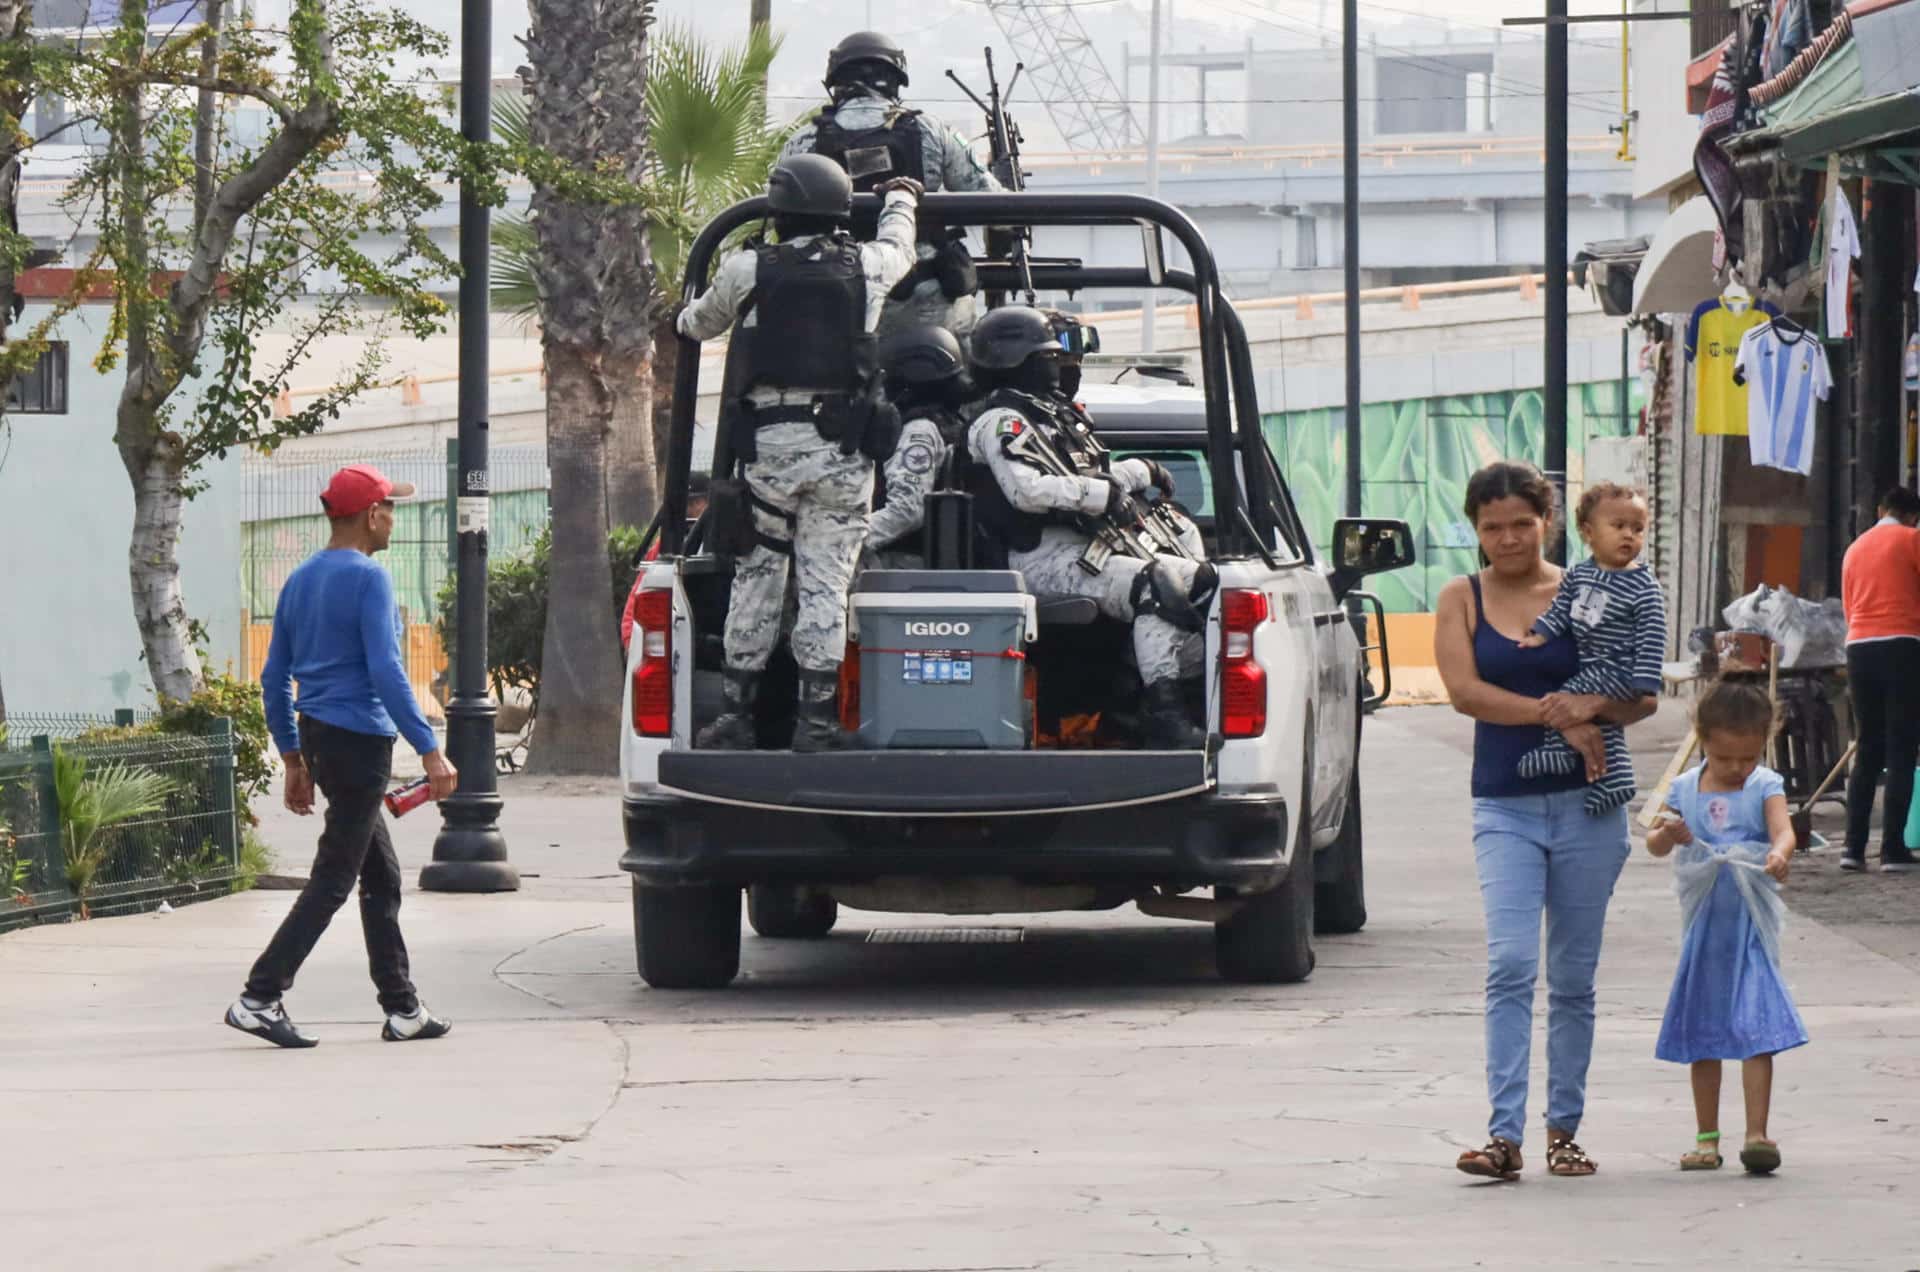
{"x": 1087, "y": 1096}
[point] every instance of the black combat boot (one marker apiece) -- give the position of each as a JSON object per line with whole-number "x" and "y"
{"x": 816, "y": 726}
{"x": 1169, "y": 725}
{"x": 734, "y": 730}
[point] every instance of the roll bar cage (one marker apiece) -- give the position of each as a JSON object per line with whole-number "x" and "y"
{"x": 1232, "y": 410}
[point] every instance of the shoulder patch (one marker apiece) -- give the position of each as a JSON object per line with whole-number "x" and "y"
{"x": 917, "y": 458}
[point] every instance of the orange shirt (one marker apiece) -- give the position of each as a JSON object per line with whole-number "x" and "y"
{"x": 1880, "y": 584}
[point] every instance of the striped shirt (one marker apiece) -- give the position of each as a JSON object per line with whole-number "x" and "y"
{"x": 1618, "y": 620}
{"x": 1788, "y": 375}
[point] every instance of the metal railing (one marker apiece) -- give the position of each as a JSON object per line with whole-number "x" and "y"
{"x": 1713, "y": 21}
{"x": 188, "y": 848}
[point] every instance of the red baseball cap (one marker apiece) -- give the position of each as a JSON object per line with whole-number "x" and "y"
{"x": 358, "y": 487}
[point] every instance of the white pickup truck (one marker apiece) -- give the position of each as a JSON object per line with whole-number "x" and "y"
{"x": 1061, "y": 809}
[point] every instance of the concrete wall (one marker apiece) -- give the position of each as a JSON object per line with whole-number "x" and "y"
{"x": 1664, "y": 135}
{"x": 67, "y": 636}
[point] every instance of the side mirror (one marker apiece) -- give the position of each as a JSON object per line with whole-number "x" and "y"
{"x": 1368, "y": 545}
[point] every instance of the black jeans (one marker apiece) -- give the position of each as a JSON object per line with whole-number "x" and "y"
{"x": 1883, "y": 679}
{"x": 351, "y": 771}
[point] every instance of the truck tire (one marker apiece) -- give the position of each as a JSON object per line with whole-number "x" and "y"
{"x": 1269, "y": 940}
{"x": 687, "y": 937}
{"x": 1340, "y": 900}
{"x": 788, "y": 911}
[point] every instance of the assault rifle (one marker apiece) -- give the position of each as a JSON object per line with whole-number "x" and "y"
{"x": 1155, "y": 535}
{"x": 1003, "y": 142}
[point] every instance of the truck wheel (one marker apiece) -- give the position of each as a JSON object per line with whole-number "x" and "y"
{"x": 1340, "y": 901}
{"x": 687, "y": 937}
{"x": 784, "y": 910}
{"x": 1269, "y": 940}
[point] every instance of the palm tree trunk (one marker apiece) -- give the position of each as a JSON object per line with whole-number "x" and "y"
{"x": 666, "y": 368}
{"x": 579, "y": 729}
{"x": 633, "y": 490}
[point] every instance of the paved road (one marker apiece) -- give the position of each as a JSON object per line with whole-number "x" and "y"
{"x": 1084, "y": 1097}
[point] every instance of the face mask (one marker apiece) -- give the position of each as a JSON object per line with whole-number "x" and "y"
{"x": 1070, "y": 380}
{"x": 1039, "y": 376}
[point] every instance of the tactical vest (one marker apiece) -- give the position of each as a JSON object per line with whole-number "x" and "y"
{"x": 873, "y": 155}
{"x": 993, "y": 511}
{"x": 810, "y": 333}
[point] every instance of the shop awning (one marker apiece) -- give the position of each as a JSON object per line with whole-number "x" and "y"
{"x": 1677, "y": 272}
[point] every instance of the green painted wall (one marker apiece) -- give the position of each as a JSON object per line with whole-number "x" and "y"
{"x": 1419, "y": 455}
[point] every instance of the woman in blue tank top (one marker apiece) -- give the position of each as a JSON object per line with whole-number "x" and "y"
{"x": 1535, "y": 846}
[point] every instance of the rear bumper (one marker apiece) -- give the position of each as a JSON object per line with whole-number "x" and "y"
{"x": 1127, "y": 818}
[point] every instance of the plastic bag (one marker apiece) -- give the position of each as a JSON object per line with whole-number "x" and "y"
{"x": 1810, "y": 633}
{"x": 1697, "y": 865}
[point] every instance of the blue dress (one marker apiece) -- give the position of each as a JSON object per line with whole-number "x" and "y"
{"x": 1729, "y": 1001}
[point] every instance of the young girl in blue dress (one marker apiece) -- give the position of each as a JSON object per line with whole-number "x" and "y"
{"x": 1727, "y": 825}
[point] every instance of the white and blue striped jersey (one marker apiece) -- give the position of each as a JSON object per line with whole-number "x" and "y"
{"x": 1787, "y": 375}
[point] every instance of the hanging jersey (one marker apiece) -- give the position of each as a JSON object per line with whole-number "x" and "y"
{"x": 1843, "y": 249}
{"x": 1786, "y": 377}
{"x": 1713, "y": 343}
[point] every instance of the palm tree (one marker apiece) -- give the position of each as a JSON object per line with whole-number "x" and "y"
{"x": 93, "y": 802}
{"x": 712, "y": 145}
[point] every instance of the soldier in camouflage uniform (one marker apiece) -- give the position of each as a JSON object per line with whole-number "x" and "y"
{"x": 806, "y": 309}
{"x": 1038, "y": 516}
{"x": 927, "y": 380}
{"x": 869, "y": 132}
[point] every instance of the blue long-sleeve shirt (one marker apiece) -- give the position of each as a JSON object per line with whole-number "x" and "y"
{"x": 336, "y": 631}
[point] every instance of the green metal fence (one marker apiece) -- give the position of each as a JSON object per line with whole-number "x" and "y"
{"x": 282, "y": 525}
{"x": 188, "y": 848}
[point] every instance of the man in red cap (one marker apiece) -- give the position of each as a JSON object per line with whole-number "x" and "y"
{"x": 336, "y": 632}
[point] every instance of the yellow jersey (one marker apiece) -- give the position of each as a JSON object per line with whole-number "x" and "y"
{"x": 1713, "y": 342}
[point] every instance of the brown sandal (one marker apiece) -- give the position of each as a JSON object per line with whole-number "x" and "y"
{"x": 1500, "y": 1159}
{"x": 1568, "y": 1160}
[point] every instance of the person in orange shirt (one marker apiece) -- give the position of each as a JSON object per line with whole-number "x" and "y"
{"x": 1880, "y": 586}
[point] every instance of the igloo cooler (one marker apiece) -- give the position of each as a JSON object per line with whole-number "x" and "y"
{"x": 942, "y": 658}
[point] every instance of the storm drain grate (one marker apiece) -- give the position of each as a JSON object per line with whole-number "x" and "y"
{"x": 946, "y": 936}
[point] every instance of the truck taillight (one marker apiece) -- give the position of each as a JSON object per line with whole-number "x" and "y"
{"x": 1243, "y": 697}
{"x": 653, "y": 674}
{"x": 850, "y": 688}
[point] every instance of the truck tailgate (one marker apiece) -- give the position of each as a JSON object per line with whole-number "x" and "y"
{"x": 935, "y": 783}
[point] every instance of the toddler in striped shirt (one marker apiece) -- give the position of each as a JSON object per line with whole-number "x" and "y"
{"x": 1612, "y": 606}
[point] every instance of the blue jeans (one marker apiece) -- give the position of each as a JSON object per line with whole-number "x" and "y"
{"x": 1534, "y": 853}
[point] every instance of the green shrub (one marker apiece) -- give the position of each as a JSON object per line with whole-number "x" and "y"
{"x": 239, "y": 701}
{"x": 517, "y": 606}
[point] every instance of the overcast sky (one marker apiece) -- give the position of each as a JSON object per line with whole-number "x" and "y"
{"x": 938, "y": 34}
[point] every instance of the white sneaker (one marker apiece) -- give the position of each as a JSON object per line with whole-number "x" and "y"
{"x": 418, "y": 1027}
{"x": 269, "y": 1021}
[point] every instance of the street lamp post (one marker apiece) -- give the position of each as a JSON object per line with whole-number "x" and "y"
{"x": 470, "y": 853}
{"x": 1350, "y": 230}
{"x": 1554, "y": 434}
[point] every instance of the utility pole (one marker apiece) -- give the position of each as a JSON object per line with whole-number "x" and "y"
{"x": 1554, "y": 439}
{"x": 470, "y": 853}
{"x": 1350, "y": 225}
{"x": 760, "y": 13}
{"x": 1149, "y": 313}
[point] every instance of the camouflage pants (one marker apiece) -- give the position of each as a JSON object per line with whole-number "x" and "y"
{"x": 1052, "y": 570}
{"x": 827, "y": 495}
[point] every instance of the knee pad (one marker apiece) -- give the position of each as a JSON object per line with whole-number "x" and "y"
{"x": 1157, "y": 590}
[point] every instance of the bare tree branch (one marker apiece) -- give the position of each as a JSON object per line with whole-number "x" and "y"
{"x": 209, "y": 84}
{"x": 305, "y": 131}
{"x": 205, "y": 115}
